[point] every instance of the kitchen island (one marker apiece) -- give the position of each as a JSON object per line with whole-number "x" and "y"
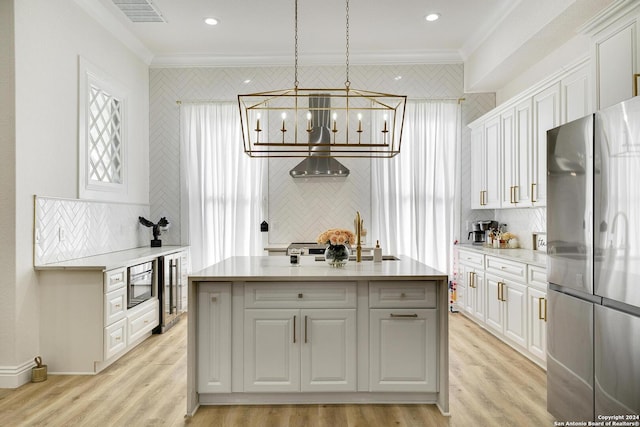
{"x": 262, "y": 331}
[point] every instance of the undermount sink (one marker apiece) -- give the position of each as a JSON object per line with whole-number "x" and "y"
{"x": 366, "y": 258}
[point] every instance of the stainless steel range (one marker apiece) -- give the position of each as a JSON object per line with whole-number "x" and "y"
{"x": 307, "y": 248}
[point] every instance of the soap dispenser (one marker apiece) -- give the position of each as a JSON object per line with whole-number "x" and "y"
{"x": 377, "y": 252}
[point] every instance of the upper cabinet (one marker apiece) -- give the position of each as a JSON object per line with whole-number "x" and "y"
{"x": 509, "y": 145}
{"x": 615, "y": 53}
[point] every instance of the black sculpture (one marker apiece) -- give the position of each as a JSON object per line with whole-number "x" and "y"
{"x": 162, "y": 224}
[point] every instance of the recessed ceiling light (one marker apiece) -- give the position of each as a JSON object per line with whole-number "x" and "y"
{"x": 432, "y": 17}
{"x": 247, "y": 81}
{"x": 211, "y": 21}
{"x": 396, "y": 78}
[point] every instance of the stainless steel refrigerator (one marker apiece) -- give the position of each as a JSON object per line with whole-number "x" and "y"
{"x": 593, "y": 267}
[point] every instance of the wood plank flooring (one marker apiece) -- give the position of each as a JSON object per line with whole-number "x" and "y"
{"x": 491, "y": 385}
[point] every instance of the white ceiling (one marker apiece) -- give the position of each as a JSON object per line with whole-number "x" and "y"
{"x": 262, "y": 32}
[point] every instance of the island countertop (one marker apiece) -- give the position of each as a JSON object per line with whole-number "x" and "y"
{"x": 279, "y": 268}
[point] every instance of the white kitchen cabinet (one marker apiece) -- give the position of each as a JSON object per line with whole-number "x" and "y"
{"x": 214, "y": 338}
{"x": 402, "y": 354}
{"x": 485, "y": 165}
{"x": 516, "y": 149}
{"x": 300, "y": 350}
{"x": 615, "y": 54}
{"x": 507, "y": 309}
{"x": 576, "y": 95}
{"x": 85, "y": 323}
{"x": 546, "y": 115}
{"x": 471, "y": 265}
{"x": 512, "y": 308}
{"x": 537, "y": 308}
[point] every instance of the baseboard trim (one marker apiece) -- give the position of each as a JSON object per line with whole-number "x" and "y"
{"x": 15, "y": 376}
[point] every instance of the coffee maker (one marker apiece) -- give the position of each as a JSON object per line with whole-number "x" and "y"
{"x": 479, "y": 231}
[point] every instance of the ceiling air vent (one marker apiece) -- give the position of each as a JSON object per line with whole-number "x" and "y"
{"x": 140, "y": 10}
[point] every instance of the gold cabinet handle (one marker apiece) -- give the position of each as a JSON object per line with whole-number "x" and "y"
{"x": 515, "y": 194}
{"x": 501, "y": 291}
{"x": 533, "y": 192}
{"x": 294, "y": 329}
{"x": 305, "y": 329}
{"x": 414, "y": 315}
{"x": 635, "y": 84}
{"x": 511, "y": 194}
{"x": 542, "y": 314}
{"x": 472, "y": 279}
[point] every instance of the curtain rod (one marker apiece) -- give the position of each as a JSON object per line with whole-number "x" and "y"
{"x": 209, "y": 101}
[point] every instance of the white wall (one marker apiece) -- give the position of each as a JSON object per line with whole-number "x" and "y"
{"x": 49, "y": 37}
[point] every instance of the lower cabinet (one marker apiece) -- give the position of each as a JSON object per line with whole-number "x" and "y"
{"x": 506, "y": 297}
{"x": 402, "y": 353}
{"x": 507, "y": 309}
{"x": 214, "y": 338}
{"x": 537, "y": 304}
{"x": 300, "y": 350}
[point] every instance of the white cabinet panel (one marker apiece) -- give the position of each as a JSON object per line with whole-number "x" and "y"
{"x": 477, "y": 169}
{"x": 491, "y": 162}
{"x": 328, "y": 350}
{"x": 402, "y": 354}
{"x": 417, "y": 294}
{"x": 495, "y": 310}
{"x": 514, "y": 297}
{"x": 271, "y": 350}
{"x": 576, "y": 95}
{"x": 616, "y": 58}
{"x": 214, "y": 338}
{"x": 546, "y": 115}
{"x": 115, "y": 338}
{"x": 142, "y": 319}
{"x": 115, "y": 306}
{"x": 537, "y": 302}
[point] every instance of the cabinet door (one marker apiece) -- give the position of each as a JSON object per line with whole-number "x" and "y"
{"x": 491, "y": 162}
{"x": 214, "y": 338}
{"x": 328, "y": 350}
{"x": 546, "y": 115}
{"x": 495, "y": 309}
{"x": 514, "y": 296}
{"x": 537, "y": 323}
{"x": 576, "y": 95}
{"x": 616, "y": 58}
{"x": 477, "y": 296}
{"x": 402, "y": 354}
{"x": 509, "y": 159}
{"x": 271, "y": 350}
{"x": 477, "y": 168}
{"x": 523, "y": 135}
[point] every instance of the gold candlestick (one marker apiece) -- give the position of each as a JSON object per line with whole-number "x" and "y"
{"x": 358, "y": 222}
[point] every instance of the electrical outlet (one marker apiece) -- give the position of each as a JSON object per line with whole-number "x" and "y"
{"x": 61, "y": 234}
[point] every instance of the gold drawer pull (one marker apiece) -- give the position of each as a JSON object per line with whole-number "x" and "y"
{"x": 414, "y": 315}
{"x": 117, "y": 305}
{"x": 533, "y": 189}
{"x": 300, "y": 295}
{"x": 294, "y": 329}
{"x": 118, "y": 338}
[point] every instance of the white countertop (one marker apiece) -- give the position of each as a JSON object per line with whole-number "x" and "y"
{"x": 112, "y": 260}
{"x": 526, "y": 256}
{"x": 279, "y": 268}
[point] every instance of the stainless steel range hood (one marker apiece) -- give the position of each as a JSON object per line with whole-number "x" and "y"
{"x": 319, "y": 163}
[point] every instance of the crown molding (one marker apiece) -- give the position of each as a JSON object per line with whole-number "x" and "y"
{"x": 278, "y": 59}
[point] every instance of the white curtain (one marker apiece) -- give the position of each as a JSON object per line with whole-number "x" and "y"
{"x": 413, "y": 194}
{"x": 225, "y": 188}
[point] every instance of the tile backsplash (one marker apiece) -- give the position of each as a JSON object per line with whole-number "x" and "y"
{"x": 523, "y": 222}
{"x": 68, "y": 228}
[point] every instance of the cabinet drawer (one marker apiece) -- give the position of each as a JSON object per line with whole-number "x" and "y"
{"x": 471, "y": 258}
{"x": 300, "y": 295}
{"x": 390, "y": 294}
{"x": 115, "y": 306}
{"x": 501, "y": 266}
{"x": 537, "y": 276}
{"x": 114, "y": 279}
{"x": 115, "y": 338}
{"x": 143, "y": 321}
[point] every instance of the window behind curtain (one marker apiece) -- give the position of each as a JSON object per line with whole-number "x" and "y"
{"x": 413, "y": 194}
{"x": 225, "y": 188}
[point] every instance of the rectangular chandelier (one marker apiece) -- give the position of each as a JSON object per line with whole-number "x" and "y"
{"x": 322, "y": 122}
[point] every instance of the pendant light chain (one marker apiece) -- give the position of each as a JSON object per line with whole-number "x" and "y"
{"x": 296, "y": 47}
{"x": 347, "y": 83}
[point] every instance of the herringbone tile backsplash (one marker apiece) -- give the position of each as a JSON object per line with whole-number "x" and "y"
{"x": 68, "y": 229}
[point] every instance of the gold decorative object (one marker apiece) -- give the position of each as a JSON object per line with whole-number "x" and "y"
{"x": 363, "y": 123}
{"x": 359, "y": 225}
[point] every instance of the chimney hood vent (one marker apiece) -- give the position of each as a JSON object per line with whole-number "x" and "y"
{"x": 319, "y": 163}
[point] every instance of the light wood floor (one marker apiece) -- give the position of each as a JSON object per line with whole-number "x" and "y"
{"x": 491, "y": 385}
